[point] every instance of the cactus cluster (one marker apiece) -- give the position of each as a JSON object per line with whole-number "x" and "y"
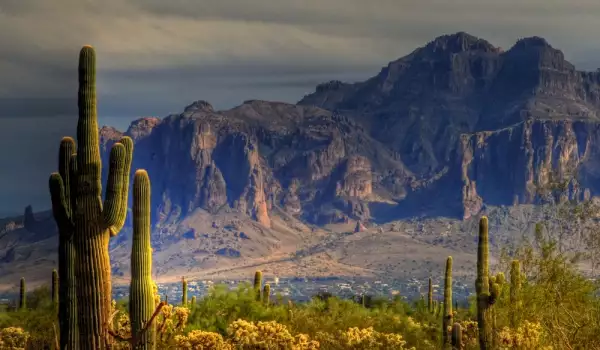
{"x": 86, "y": 223}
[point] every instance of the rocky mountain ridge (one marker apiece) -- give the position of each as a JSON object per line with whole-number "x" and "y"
{"x": 449, "y": 130}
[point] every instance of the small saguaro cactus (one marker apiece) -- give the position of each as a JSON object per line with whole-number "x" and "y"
{"x": 257, "y": 284}
{"x": 193, "y": 302}
{"x": 487, "y": 288}
{"x": 141, "y": 287}
{"x": 448, "y": 314}
{"x": 55, "y": 287}
{"x": 515, "y": 292}
{"x": 267, "y": 294}
{"x": 457, "y": 337}
{"x": 184, "y": 299}
{"x": 430, "y": 305}
{"x": 22, "y": 295}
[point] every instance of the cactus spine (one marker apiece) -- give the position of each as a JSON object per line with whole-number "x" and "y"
{"x": 141, "y": 288}
{"x": 487, "y": 288}
{"x": 92, "y": 221}
{"x": 267, "y": 294}
{"x": 54, "y": 288}
{"x": 457, "y": 337}
{"x": 448, "y": 315}
{"x": 62, "y": 191}
{"x": 430, "y": 305}
{"x": 22, "y": 295}
{"x": 184, "y": 299}
{"x": 515, "y": 291}
{"x": 257, "y": 284}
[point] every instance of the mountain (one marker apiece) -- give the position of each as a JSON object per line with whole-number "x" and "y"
{"x": 497, "y": 122}
{"x": 456, "y": 127}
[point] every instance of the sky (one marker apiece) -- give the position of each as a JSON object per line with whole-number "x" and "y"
{"x": 155, "y": 57}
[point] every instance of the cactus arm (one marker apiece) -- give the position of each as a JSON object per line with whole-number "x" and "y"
{"x": 112, "y": 201}
{"x": 59, "y": 202}
{"x": 115, "y": 203}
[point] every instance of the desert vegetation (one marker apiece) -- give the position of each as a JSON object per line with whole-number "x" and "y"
{"x": 535, "y": 298}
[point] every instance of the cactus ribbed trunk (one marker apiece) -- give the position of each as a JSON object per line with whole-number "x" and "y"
{"x": 141, "y": 288}
{"x": 193, "y": 303}
{"x": 54, "y": 288}
{"x": 430, "y": 296}
{"x": 184, "y": 294}
{"x": 22, "y": 295}
{"x": 257, "y": 284}
{"x": 448, "y": 314}
{"x": 92, "y": 221}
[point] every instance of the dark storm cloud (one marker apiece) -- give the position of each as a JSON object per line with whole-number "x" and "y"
{"x": 155, "y": 57}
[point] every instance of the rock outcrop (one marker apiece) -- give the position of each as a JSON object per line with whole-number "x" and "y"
{"x": 259, "y": 155}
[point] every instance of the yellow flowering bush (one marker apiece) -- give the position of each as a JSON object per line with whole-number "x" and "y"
{"x": 200, "y": 340}
{"x": 528, "y": 336}
{"x": 362, "y": 338}
{"x": 13, "y": 338}
{"x": 267, "y": 335}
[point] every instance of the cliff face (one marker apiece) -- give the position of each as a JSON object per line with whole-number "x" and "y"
{"x": 308, "y": 161}
{"x": 459, "y": 102}
{"x": 512, "y": 165}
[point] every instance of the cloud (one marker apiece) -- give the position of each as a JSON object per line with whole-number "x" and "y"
{"x": 155, "y": 56}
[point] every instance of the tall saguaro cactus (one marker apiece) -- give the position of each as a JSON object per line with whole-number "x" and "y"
{"x": 22, "y": 295}
{"x": 141, "y": 288}
{"x": 448, "y": 315}
{"x": 92, "y": 221}
{"x": 487, "y": 288}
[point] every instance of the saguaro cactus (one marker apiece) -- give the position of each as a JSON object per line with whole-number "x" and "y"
{"x": 22, "y": 295}
{"x": 457, "y": 337}
{"x": 54, "y": 287}
{"x": 267, "y": 294}
{"x": 430, "y": 305}
{"x": 488, "y": 289}
{"x": 515, "y": 292}
{"x": 62, "y": 191}
{"x": 94, "y": 222}
{"x": 193, "y": 301}
{"x": 448, "y": 315}
{"x": 257, "y": 284}
{"x": 184, "y": 300}
{"x": 141, "y": 288}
